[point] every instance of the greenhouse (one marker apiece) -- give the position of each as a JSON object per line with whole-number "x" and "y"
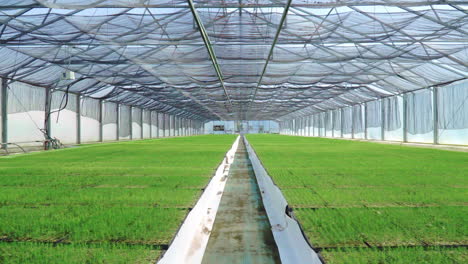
{"x": 234, "y": 131}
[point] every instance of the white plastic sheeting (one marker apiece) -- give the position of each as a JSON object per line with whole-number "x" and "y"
{"x": 136, "y": 123}
{"x": 145, "y": 126}
{"x": 247, "y": 127}
{"x": 109, "y": 121}
{"x": 89, "y": 120}
{"x": 190, "y": 241}
{"x": 154, "y": 124}
{"x": 411, "y": 116}
{"x": 374, "y": 119}
{"x": 292, "y": 245}
{"x": 420, "y": 116}
{"x": 63, "y": 123}
{"x": 124, "y": 122}
{"x": 453, "y": 114}
{"x": 26, "y": 113}
{"x": 393, "y": 118}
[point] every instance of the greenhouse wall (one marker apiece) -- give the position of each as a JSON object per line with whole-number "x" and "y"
{"x": 247, "y": 127}
{"x": 63, "y": 123}
{"x": 109, "y": 125}
{"x": 436, "y": 115}
{"x": 76, "y": 119}
{"x": 90, "y": 112}
{"x": 146, "y": 126}
{"x": 136, "y": 123}
{"x": 25, "y": 112}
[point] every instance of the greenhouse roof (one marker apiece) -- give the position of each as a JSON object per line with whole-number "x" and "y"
{"x": 235, "y": 59}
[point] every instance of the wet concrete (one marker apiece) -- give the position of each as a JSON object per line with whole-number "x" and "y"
{"x": 241, "y": 232}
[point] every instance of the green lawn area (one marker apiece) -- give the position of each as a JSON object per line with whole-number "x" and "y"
{"x": 373, "y": 203}
{"x": 103, "y": 203}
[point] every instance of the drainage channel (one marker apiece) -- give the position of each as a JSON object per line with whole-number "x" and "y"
{"x": 241, "y": 231}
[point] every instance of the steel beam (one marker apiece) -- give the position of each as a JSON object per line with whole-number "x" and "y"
{"x": 210, "y": 50}
{"x": 270, "y": 54}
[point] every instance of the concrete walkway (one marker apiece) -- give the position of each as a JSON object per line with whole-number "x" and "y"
{"x": 241, "y": 232}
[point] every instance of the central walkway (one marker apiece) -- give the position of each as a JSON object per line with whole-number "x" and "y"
{"x": 241, "y": 232}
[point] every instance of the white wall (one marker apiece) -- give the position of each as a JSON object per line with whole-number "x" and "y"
{"x": 65, "y": 129}
{"x": 22, "y": 127}
{"x": 89, "y": 129}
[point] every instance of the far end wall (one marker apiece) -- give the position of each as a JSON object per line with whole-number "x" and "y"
{"x": 246, "y": 127}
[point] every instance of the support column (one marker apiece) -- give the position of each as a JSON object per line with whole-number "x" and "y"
{"x": 189, "y": 127}
{"x": 405, "y": 117}
{"x": 332, "y": 116}
{"x": 4, "y": 115}
{"x": 353, "y": 119}
{"x": 130, "y": 121}
{"x": 78, "y": 119}
{"x": 164, "y": 125}
{"x": 365, "y": 120}
{"x": 101, "y": 118}
{"x": 117, "y": 108}
{"x": 382, "y": 113}
{"x": 141, "y": 122}
{"x": 171, "y": 126}
{"x": 48, "y": 102}
{"x": 435, "y": 109}
{"x": 157, "y": 124}
{"x": 150, "y": 124}
{"x": 341, "y": 121}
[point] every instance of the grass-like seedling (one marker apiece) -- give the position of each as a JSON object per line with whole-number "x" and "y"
{"x": 362, "y": 195}
{"x": 104, "y": 203}
{"x": 30, "y": 252}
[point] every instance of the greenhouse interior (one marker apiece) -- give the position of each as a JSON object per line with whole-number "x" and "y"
{"x": 234, "y": 131}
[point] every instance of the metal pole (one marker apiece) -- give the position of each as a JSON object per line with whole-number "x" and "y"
{"x": 171, "y": 125}
{"x": 4, "y": 116}
{"x": 341, "y": 121}
{"x": 353, "y": 120}
{"x": 130, "y": 121}
{"x": 365, "y": 121}
{"x": 150, "y": 123}
{"x": 157, "y": 124}
{"x": 101, "y": 125}
{"x": 435, "y": 98}
{"x": 382, "y": 112}
{"x": 78, "y": 119}
{"x": 405, "y": 118}
{"x": 164, "y": 125}
{"x": 48, "y": 101}
{"x": 141, "y": 122}
{"x": 332, "y": 117}
{"x": 117, "y": 108}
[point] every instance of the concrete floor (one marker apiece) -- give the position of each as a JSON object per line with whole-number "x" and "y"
{"x": 241, "y": 232}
